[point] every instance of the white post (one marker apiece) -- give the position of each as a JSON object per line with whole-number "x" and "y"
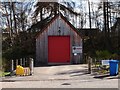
{"x": 89, "y": 65}
{"x": 21, "y": 61}
{"x": 95, "y": 62}
{"x": 16, "y": 62}
{"x": 24, "y": 62}
{"x": 31, "y": 66}
{"x": 12, "y": 65}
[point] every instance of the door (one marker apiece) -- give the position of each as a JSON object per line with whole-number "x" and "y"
{"x": 59, "y": 49}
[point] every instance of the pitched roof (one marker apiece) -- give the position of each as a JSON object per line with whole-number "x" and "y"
{"x": 53, "y": 19}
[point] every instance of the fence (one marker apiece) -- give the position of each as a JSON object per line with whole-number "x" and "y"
{"x": 25, "y": 62}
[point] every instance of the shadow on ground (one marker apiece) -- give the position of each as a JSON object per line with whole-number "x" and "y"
{"x": 74, "y": 72}
{"x": 50, "y": 65}
{"x": 106, "y": 76}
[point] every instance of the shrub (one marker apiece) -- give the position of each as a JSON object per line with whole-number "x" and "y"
{"x": 103, "y": 54}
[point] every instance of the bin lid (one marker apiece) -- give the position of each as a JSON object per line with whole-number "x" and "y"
{"x": 114, "y": 61}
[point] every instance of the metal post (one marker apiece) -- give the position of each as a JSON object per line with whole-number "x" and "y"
{"x": 89, "y": 65}
{"x": 95, "y": 62}
{"x": 16, "y": 62}
{"x": 31, "y": 66}
{"x": 12, "y": 65}
{"x": 21, "y": 61}
{"x": 12, "y": 68}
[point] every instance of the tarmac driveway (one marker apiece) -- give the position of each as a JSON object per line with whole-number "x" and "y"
{"x": 63, "y": 76}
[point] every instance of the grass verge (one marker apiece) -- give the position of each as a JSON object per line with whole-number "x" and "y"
{"x": 2, "y": 74}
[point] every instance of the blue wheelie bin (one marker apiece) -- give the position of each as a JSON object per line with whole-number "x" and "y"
{"x": 113, "y": 67}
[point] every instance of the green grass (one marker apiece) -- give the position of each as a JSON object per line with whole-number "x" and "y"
{"x": 2, "y": 74}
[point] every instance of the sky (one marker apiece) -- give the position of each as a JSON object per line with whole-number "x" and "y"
{"x": 85, "y": 9}
{"x": 77, "y": 6}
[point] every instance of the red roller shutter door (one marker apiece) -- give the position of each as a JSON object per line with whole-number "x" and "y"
{"x": 59, "y": 49}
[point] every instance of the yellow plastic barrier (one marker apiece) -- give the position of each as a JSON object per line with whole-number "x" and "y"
{"x": 22, "y": 71}
{"x": 19, "y": 70}
{"x": 26, "y": 71}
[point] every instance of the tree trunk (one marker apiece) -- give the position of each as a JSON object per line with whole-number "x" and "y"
{"x": 8, "y": 22}
{"x": 107, "y": 40}
{"x": 55, "y": 8}
{"x": 11, "y": 22}
{"x": 41, "y": 18}
{"x": 89, "y": 14}
{"x": 107, "y": 17}
{"x": 14, "y": 18}
{"x": 22, "y": 18}
{"x": 104, "y": 15}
